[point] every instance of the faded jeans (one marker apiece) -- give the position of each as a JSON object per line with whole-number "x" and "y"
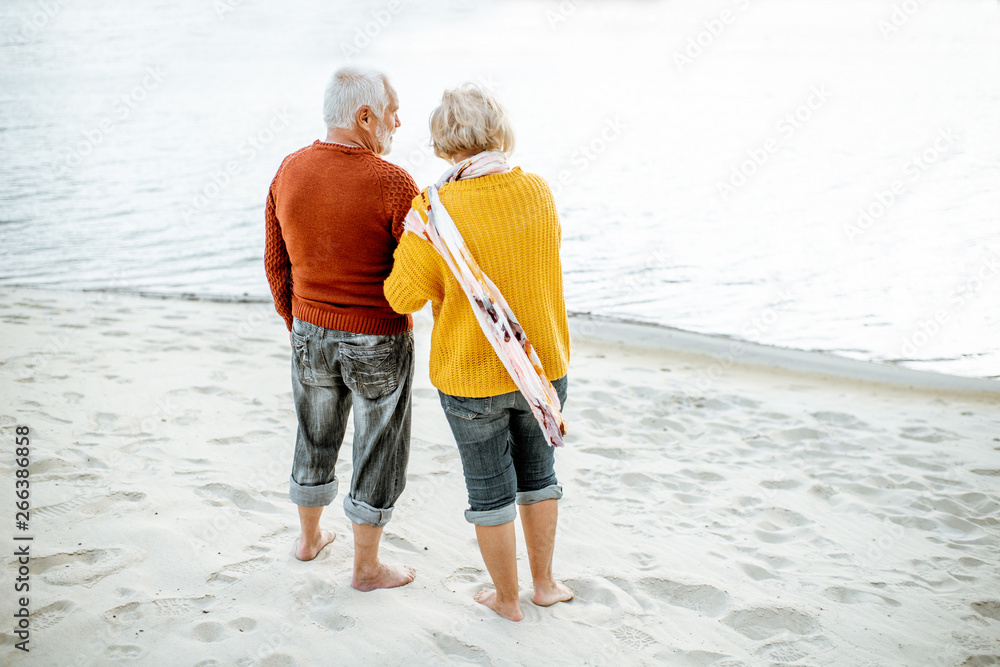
{"x": 331, "y": 371}
{"x": 505, "y": 455}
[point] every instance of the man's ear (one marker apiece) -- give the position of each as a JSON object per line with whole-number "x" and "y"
{"x": 363, "y": 116}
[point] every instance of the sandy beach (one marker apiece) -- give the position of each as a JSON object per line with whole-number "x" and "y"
{"x": 716, "y": 513}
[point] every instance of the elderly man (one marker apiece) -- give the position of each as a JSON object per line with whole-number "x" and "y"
{"x": 334, "y": 217}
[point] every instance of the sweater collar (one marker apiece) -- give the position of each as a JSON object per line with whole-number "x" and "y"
{"x": 356, "y": 150}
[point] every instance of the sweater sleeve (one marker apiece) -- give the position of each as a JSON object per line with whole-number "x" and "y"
{"x": 400, "y": 190}
{"x": 276, "y": 262}
{"x": 417, "y": 275}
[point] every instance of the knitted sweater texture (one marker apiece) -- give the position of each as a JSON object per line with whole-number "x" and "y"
{"x": 510, "y": 225}
{"x": 333, "y": 218}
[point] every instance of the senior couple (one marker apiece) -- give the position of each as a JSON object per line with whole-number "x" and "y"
{"x": 348, "y": 257}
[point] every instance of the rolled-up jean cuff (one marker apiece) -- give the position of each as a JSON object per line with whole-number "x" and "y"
{"x": 496, "y": 517}
{"x": 550, "y": 492}
{"x": 363, "y": 513}
{"x": 312, "y": 496}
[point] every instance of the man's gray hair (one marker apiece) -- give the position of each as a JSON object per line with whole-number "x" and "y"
{"x": 351, "y": 88}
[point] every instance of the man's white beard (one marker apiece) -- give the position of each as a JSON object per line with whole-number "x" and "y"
{"x": 383, "y": 133}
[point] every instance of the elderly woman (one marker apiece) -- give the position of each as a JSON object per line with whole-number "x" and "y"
{"x": 507, "y": 219}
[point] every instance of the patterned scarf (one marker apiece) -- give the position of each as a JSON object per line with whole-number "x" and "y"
{"x": 495, "y": 317}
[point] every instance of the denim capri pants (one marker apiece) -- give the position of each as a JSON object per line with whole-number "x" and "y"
{"x": 505, "y": 455}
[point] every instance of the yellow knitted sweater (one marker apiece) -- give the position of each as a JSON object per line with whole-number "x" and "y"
{"x": 510, "y": 224}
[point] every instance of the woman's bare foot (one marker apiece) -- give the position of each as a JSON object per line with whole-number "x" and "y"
{"x": 382, "y": 576}
{"x": 308, "y": 549}
{"x": 509, "y": 610}
{"x": 551, "y": 592}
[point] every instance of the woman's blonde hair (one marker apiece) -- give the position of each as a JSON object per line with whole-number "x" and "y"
{"x": 470, "y": 118}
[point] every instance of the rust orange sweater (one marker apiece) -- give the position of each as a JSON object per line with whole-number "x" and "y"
{"x": 334, "y": 216}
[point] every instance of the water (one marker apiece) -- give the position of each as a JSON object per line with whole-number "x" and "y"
{"x": 139, "y": 139}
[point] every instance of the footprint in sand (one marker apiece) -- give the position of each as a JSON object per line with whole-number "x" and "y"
{"x": 317, "y": 598}
{"x": 608, "y": 593}
{"x": 243, "y": 624}
{"x": 637, "y": 480}
{"x": 174, "y": 607}
{"x": 275, "y": 660}
{"x": 794, "y": 651}
{"x": 87, "y": 567}
{"x": 781, "y": 484}
{"x": 209, "y": 631}
{"x": 277, "y": 537}
{"x": 703, "y": 475}
{"x": 616, "y": 454}
{"x": 219, "y": 495}
{"x": 252, "y": 436}
{"x": 49, "y": 615}
{"x": 927, "y": 434}
{"x": 643, "y": 561}
{"x": 465, "y": 580}
{"x": 61, "y": 508}
{"x": 123, "y": 652}
{"x": 920, "y": 464}
{"x": 236, "y": 571}
{"x": 796, "y": 435}
{"x": 756, "y": 572}
{"x": 702, "y": 598}
{"x": 988, "y": 608}
{"x": 634, "y": 637}
{"x": 457, "y": 652}
{"x": 398, "y": 542}
{"x": 766, "y": 622}
{"x": 88, "y": 504}
{"x": 851, "y": 596}
{"x": 841, "y": 419}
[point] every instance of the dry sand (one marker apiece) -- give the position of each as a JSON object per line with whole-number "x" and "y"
{"x": 715, "y": 513}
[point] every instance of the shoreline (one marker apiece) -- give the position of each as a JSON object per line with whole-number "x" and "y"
{"x": 721, "y": 349}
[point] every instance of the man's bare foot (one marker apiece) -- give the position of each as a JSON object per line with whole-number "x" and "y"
{"x": 309, "y": 549}
{"x": 509, "y": 610}
{"x": 551, "y": 592}
{"x": 383, "y": 576}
